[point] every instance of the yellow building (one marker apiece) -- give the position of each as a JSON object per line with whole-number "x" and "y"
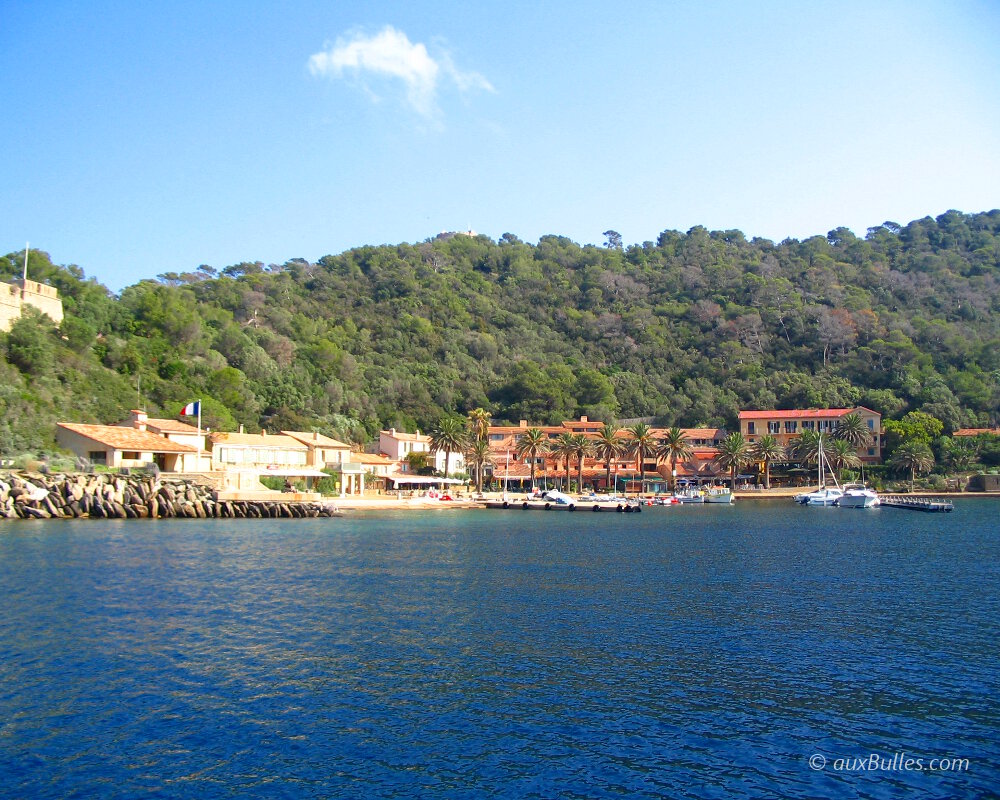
{"x": 786, "y": 425}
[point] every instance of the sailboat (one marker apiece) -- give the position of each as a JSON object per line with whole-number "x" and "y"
{"x": 823, "y": 495}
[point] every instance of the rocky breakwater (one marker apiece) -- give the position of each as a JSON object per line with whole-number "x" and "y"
{"x": 108, "y": 496}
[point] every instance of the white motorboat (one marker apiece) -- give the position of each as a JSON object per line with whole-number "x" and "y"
{"x": 857, "y": 495}
{"x": 719, "y": 494}
{"x": 689, "y": 494}
{"x": 828, "y": 496}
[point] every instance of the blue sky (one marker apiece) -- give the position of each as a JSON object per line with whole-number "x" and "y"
{"x": 142, "y": 138}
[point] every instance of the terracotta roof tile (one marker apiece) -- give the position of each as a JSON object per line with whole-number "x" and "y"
{"x": 976, "y": 431}
{"x": 127, "y": 438}
{"x": 810, "y": 413}
{"x": 257, "y": 440}
{"x": 310, "y": 438}
{"x": 169, "y": 426}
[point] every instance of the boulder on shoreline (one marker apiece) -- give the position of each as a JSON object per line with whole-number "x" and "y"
{"x": 29, "y": 495}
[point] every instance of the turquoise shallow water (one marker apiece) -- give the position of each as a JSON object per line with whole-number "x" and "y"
{"x": 681, "y": 652}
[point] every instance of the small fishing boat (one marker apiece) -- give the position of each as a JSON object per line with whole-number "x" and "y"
{"x": 719, "y": 494}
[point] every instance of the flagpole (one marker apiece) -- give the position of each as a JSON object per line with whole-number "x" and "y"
{"x": 199, "y": 437}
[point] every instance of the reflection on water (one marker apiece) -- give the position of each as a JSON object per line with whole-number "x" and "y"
{"x": 683, "y": 652}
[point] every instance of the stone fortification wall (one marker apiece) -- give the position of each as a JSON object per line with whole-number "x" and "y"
{"x": 10, "y": 305}
{"x": 14, "y": 295}
{"x": 107, "y": 496}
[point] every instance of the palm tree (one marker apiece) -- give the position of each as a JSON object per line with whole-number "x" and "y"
{"x": 582, "y": 447}
{"x": 563, "y": 449}
{"x": 852, "y": 428}
{"x": 608, "y": 447}
{"x": 734, "y": 453}
{"x": 479, "y": 423}
{"x": 914, "y": 456}
{"x": 532, "y": 444}
{"x": 641, "y": 445}
{"x": 673, "y": 446}
{"x": 806, "y": 447}
{"x": 767, "y": 449}
{"x": 479, "y": 455}
{"x": 841, "y": 453}
{"x": 449, "y": 436}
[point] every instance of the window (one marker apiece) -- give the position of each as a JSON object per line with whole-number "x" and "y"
{"x": 791, "y": 427}
{"x": 750, "y": 427}
{"x": 808, "y": 425}
{"x": 774, "y": 427}
{"x": 130, "y": 456}
{"x": 871, "y": 451}
{"x": 98, "y": 457}
{"x": 871, "y": 424}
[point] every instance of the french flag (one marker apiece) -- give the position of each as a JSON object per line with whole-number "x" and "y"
{"x": 191, "y": 409}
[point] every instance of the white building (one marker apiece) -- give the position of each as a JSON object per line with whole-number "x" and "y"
{"x": 397, "y": 445}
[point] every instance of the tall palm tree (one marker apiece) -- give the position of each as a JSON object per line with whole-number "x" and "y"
{"x": 806, "y": 447}
{"x": 841, "y": 453}
{"x": 532, "y": 444}
{"x": 449, "y": 436}
{"x": 674, "y": 446}
{"x": 734, "y": 453}
{"x": 564, "y": 448}
{"x": 583, "y": 446}
{"x": 767, "y": 449}
{"x": 641, "y": 445}
{"x": 852, "y": 428}
{"x": 608, "y": 447}
{"x": 479, "y": 423}
{"x": 914, "y": 456}
{"x": 479, "y": 455}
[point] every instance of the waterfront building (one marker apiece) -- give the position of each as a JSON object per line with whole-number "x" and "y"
{"x": 785, "y": 425}
{"x": 397, "y": 445}
{"x": 117, "y": 446}
{"x": 699, "y": 467}
{"x": 322, "y": 452}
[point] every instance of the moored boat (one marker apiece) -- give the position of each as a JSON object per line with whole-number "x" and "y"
{"x": 857, "y": 495}
{"x": 718, "y": 494}
{"x": 689, "y": 494}
{"x": 823, "y": 495}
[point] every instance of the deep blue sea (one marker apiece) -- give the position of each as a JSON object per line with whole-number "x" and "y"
{"x": 759, "y": 650}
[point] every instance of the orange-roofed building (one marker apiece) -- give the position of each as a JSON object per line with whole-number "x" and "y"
{"x": 977, "y": 432}
{"x": 785, "y": 425}
{"x": 116, "y": 447}
{"x": 504, "y": 439}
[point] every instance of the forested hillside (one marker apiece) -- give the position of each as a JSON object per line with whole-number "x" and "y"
{"x": 689, "y": 329}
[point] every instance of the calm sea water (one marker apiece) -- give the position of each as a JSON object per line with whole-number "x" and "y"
{"x": 683, "y": 652}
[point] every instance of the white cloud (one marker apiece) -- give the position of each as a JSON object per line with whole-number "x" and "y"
{"x": 390, "y": 54}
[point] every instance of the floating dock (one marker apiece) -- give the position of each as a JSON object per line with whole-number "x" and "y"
{"x": 917, "y": 503}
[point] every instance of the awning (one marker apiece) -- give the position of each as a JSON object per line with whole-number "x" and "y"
{"x": 292, "y": 472}
{"x": 423, "y": 480}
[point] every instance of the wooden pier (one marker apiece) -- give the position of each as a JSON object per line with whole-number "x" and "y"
{"x": 917, "y": 503}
